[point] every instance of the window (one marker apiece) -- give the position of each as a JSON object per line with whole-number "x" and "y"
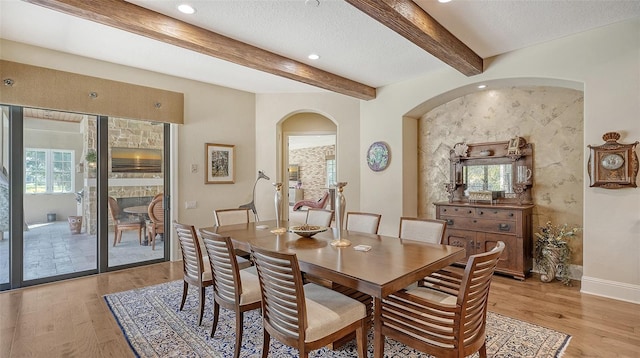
{"x": 331, "y": 171}
{"x": 48, "y": 171}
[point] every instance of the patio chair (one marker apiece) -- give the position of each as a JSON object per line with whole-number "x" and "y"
{"x": 123, "y": 224}
{"x": 155, "y": 226}
{"x": 434, "y": 321}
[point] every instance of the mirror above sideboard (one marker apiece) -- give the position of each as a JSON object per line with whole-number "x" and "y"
{"x": 495, "y": 172}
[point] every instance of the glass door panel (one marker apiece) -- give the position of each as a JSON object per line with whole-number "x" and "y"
{"x": 59, "y": 238}
{"x": 135, "y": 177}
{"x": 4, "y": 197}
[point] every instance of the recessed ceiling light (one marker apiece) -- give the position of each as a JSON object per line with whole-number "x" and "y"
{"x": 444, "y": 1}
{"x": 186, "y": 9}
{"x": 313, "y": 56}
{"x": 482, "y": 86}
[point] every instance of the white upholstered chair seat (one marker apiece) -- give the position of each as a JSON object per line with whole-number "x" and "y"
{"x": 250, "y": 286}
{"x": 328, "y": 311}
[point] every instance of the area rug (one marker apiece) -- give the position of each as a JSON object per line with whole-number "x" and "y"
{"x": 155, "y": 327}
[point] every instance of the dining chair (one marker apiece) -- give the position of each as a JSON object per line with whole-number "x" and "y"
{"x": 121, "y": 223}
{"x": 232, "y": 217}
{"x": 426, "y": 230}
{"x": 363, "y": 222}
{"x": 197, "y": 270}
{"x": 233, "y": 289}
{"x": 432, "y": 320}
{"x": 305, "y": 317}
{"x": 319, "y": 217}
{"x": 155, "y": 226}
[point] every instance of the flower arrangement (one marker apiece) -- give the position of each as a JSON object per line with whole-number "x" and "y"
{"x": 552, "y": 253}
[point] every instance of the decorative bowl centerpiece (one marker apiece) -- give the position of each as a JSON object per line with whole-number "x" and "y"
{"x": 307, "y": 230}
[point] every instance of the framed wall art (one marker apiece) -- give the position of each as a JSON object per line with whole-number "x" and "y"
{"x": 219, "y": 163}
{"x": 378, "y": 156}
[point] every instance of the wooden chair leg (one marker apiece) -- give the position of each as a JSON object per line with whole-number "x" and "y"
{"x": 265, "y": 343}
{"x": 185, "y": 289}
{"x": 201, "y": 311}
{"x": 115, "y": 238}
{"x": 483, "y": 350}
{"x": 239, "y": 329}
{"x": 216, "y": 312}
{"x": 361, "y": 340}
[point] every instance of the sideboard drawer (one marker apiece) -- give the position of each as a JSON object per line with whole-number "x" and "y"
{"x": 456, "y": 211}
{"x": 500, "y": 214}
{"x": 498, "y": 226}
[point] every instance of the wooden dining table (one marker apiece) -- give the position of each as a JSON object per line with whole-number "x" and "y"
{"x": 390, "y": 265}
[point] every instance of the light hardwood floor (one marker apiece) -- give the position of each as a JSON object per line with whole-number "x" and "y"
{"x": 71, "y": 319}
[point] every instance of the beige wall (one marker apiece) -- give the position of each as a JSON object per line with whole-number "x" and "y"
{"x": 551, "y": 118}
{"x": 605, "y": 62}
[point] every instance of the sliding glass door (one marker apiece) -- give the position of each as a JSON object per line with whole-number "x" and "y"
{"x": 75, "y": 191}
{"x": 55, "y": 239}
{"x": 4, "y": 198}
{"x": 136, "y": 177}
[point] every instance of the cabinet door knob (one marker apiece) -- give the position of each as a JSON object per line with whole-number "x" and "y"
{"x": 510, "y": 214}
{"x": 470, "y": 211}
{"x": 480, "y": 213}
{"x": 449, "y": 222}
{"x": 504, "y": 227}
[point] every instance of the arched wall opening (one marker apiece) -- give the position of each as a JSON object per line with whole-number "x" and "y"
{"x": 306, "y": 141}
{"x": 546, "y": 112}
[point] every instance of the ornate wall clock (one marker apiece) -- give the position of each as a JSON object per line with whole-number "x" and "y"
{"x": 613, "y": 165}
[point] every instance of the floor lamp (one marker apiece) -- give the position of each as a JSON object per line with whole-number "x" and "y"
{"x": 252, "y": 204}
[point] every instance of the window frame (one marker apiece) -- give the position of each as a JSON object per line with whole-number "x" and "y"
{"x": 49, "y": 170}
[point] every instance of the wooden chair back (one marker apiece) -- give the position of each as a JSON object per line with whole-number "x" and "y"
{"x": 426, "y": 230}
{"x": 192, "y": 263}
{"x": 232, "y": 289}
{"x": 231, "y": 216}
{"x": 283, "y": 300}
{"x": 197, "y": 271}
{"x": 363, "y": 222}
{"x": 326, "y": 317}
{"x": 227, "y": 284}
{"x": 451, "y": 326}
{"x": 156, "y": 218}
{"x": 319, "y": 217}
{"x": 114, "y": 209}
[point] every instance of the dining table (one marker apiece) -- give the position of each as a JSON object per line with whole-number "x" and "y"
{"x": 388, "y": 266}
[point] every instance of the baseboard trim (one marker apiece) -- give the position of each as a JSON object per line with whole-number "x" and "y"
{"x": 611, "y": 289}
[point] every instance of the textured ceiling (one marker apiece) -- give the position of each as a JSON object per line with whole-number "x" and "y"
{"x": 350, "y": 43}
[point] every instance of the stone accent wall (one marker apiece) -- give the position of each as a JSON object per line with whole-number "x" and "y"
{"x": 313, "y": 169}
{"x": 549, "y": 117}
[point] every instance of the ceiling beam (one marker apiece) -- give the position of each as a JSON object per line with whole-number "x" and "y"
{"x": 410, "y": 21}
{"x": 144, "y": 22}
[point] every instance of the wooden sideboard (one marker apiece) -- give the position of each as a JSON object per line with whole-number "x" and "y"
{"x": 477, "y": 228}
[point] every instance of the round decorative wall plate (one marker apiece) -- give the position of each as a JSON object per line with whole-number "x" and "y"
{"x": 378, "y": 156}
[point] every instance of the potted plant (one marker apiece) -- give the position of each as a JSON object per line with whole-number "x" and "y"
{"x": 91, "y": 158}
{"x": 552, "y": 253}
